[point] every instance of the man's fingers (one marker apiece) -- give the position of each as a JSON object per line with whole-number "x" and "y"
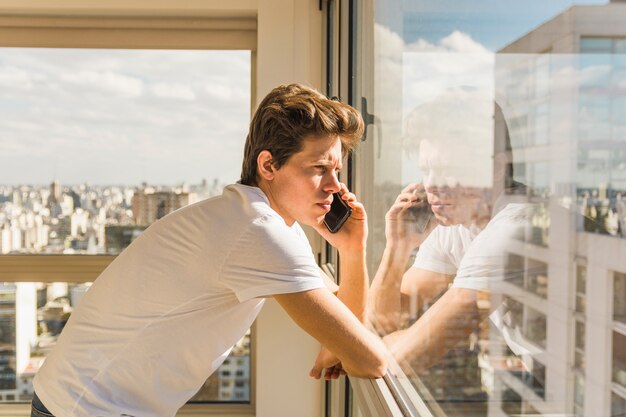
{"x": 411, "y": 187}
{"x": 348, "y": 196}
{"x": 316, "y": 372}
{"x": 333, "y": 372}
{"x": 404, "y": 197}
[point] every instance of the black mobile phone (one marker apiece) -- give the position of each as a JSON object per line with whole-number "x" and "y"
{"x": 421, "y": 215}
{"x": 338, "y": 214}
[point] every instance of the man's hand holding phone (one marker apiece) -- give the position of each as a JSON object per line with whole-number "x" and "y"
{"x": 410, "y": 220}
{"x": 351, "y": 235}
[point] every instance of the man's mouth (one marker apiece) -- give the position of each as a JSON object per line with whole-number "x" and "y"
{"x": 325, "y": 205}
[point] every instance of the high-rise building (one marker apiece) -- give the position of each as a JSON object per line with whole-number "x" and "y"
{"x": 117, "y": 237}
{"x": 560, "y": 126}
{"x": 55, "y": 193}
{"x": 149, "y": 206}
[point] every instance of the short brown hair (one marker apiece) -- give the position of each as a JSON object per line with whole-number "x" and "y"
{"x": 287, "y": 116}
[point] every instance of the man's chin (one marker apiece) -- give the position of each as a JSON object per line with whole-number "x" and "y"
{"x": 312, "y": 222}
{"x": 444, "y": 221}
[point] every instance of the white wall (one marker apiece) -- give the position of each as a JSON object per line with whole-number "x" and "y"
{"x": 289, "y": 49}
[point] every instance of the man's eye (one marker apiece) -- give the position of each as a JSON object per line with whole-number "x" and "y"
{"x": 322, "y": 168}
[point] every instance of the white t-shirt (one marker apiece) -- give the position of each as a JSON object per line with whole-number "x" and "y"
{"x": 166, "y": 312}
{"x": 476, "y": 258}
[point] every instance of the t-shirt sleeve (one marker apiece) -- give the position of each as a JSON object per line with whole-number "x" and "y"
{"x": 270, "y": 258}
{"x": 433, "y": 255}
{"x": 485, "y": 265}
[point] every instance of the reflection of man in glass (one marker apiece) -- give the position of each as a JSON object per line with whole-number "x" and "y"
{"x": 461, "y": 253}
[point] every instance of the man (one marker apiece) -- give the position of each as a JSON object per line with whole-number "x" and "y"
{"x": 165, "y": 314}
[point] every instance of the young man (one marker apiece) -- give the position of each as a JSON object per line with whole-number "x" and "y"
{"x": 165, "y": 314}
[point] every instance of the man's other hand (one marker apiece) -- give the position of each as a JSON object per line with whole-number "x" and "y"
{"x": 329, "y": 364}
{"x": 400, "y": 223}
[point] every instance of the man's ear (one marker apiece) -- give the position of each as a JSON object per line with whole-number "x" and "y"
{"x": 264, "y": 165}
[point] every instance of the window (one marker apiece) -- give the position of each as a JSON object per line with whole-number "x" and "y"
{"x": 618, "y": 376}
{"x": 581, "y": 285}
{"x": 619, "y": 297}
{"x": 619, "y": 358}
{"x": 113, "y": 140}
{"x": 505, "y": 106}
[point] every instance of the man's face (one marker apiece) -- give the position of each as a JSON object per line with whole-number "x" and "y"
{"x": 302, "y": 188}
{"x": 452, "y": 201}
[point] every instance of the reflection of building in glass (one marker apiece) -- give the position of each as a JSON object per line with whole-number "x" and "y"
{"x": 562, "y": 131}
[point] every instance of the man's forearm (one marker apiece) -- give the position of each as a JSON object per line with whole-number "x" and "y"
{"x": 451, "y": 319}
{"x": 385, "y": 299}
{"x": 353, "y": 288}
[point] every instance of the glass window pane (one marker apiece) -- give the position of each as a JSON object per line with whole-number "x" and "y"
{"x": 580, "y": 335}
{"x": 619, "y": 297}
{"x": 42, "y": 309}
{"x": 579, "y": 359}
{"x": 595, "y": 44}
{"x": 536, "y": 327}
{"x": 618, "y": 405}
{"x": 98, "y": 144}
{"x": 539, "y": 231}
{"x": 537, "y": 279}
{"x": 579, "y": 390}
{"x": 515, "y": 269}
{"x": 619, "y": 359}
{"x": 537, "y": 100}
{"x": 511, "y": 402}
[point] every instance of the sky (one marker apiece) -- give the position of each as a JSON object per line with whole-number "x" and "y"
{"x": 492, "y": 23}
{"x": 440, "y": 54}
{"x": 167, "y": 117}
{"x": 122, "y": 116}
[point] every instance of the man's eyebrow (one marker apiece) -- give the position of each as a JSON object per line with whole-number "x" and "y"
{"x": 327, "y": 162}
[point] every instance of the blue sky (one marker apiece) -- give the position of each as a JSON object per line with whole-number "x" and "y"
{"x": 493, "y": 23}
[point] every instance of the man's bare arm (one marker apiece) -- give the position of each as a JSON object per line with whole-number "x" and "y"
{"x": 353, "y": 288}
{"x": 385, "y": 297}
{"x": 396, "y": 298}
{"x": 329, "y": 282}
{"x": 420, "y": 287}
{"x": 402, "y": 237}
{"x": 323, "y": 316}
{"x": 446, "y": 323}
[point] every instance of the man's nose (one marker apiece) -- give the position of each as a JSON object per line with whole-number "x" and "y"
{"x": 431, "y": 182}
{"x": 331, "y": 184}
{"x": 434, "y": 182}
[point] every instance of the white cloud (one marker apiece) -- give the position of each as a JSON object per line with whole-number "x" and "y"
{"x": 173, "y": 90}
{"x": 443, "y": 90}
{"x": 223, "y": 92}
{"x": 16, "y": 78}
{"x": 462, "y": 42}
{"x": 123, "y": 116}
{"x": 107, "y": 81}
